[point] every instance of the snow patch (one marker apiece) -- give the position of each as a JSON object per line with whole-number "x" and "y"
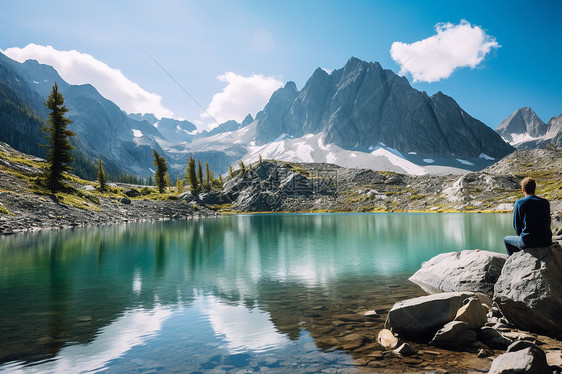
{"x": 331, "y": 158}
{"x": 486, "y": 157}
{"x": 137, "y": 133}
{"x": 35, "y": 82}
{"x": 156, "y": 124}
{"x": 428, "y": 160}
{"x": 464, "y": 162}
{"x": 520, "y": 138}
{"x": 412, "y": 153}
{"x": 352, "y": 155}
{"x": 407, "y": 166}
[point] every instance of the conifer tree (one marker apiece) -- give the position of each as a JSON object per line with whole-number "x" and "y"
{"x": 179, "y": 185}
{"x": 101, "y": 176}
{"x": 242, "y": 168}
{"x": 220, "y": 181}
{"x": 161, "y": 175}
{"x": 191, "y": 175}
{"x": 200, "y": 173}
{"x": 59, "y": 148}
{"x": 230, "y": 172}
{"x": 260, "y": 160}
{"x": 208, "y": 177}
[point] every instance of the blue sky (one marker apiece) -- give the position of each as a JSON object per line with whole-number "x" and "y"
{"x": 264, "y": 44}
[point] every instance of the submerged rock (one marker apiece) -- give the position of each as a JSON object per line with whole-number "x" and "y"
{"x": 469, "y": 270}
{"x": 405, "y": 350}
{"x": 529, "y": 290}
{"x": 387, "y": 339}
{"x": 426, "y": 314}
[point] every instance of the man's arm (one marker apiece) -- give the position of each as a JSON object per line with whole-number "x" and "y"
{"x": 517, "y": 219}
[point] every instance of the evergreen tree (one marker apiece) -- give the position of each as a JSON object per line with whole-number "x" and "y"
{"x": 200, "y": 173}
{"x": 230, "y": 172}
{"x": 242, "y": 168}
{"x": 260, "y": 160}
{"x": 101, "y": 176}
{"x": 192, "y": 175}
{"x": 150, "y": 181}
{"x": 220, "y": 182}
{"x": 59, "y": 148}
{"x": 209, "y": 177}
{"x": 179, "y": 185}
{"x": 161, "y": 174}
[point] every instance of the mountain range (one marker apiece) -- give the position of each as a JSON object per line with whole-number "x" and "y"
{"x": 358, "y": 116}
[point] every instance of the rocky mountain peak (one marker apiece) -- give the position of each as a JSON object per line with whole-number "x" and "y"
{"x": 523, "y": 121}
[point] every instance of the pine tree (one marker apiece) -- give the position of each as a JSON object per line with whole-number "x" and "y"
{"x": 260, "y": 160}
{"x": 161, "y": 174}
{"x": 208, "y": 177}
{"x": 59, "y": 148}
{"x": 179, "y": 185}
{"x": 200, "y": 173}
{"x": 191, "y": 175}
{"x": 230, "y": 172}
{"x": 242, "y": 168}
{"x": 101, "y": 176}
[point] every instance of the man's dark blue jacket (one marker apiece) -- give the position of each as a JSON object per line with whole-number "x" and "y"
{"x": 531, "y": 220}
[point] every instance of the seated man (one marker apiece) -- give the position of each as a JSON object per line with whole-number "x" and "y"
{"x": 531, "y": 220}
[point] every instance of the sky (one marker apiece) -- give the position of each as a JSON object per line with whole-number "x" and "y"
{"x": 210, "y": 61}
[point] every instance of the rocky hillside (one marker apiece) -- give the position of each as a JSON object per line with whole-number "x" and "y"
{"x": 25, "y": 206}
{"x": 275, "y": 186}
{"x": 303, "y": 187}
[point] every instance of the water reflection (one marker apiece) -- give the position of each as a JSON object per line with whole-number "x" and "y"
{"x": 86, "y": 297}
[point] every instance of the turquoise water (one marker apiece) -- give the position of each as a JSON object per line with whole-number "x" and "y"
{"x": 241, "y": 293}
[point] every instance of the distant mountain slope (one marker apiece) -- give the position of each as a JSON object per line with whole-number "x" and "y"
{"x": 523, "y": 129}
{"x": 102, "y": 129}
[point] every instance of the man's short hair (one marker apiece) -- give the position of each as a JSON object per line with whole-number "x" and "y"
{"x": 529, "y": 185}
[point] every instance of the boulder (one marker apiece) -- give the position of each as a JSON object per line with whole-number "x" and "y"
{"x": 529, "y": 290}
{"x": 387, "y": 339}
{"x": 473, "y": 313}
{"x": 493, "y": 338}
{"x": 125, "y": 200}
{"x": 454, "y": 334}
{"x": 468, "y": 270}
{"x": 528, "y": 360}
{"x": 132, "y": 193}
{"x": 426, "y": 314}
{"x": 405, "y": 350}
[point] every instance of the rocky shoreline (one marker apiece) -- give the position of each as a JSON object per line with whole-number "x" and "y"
{"x": 507, "y": 310}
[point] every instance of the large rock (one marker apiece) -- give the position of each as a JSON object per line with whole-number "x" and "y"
{"x": 529, "y": 360}
{"x": 469, "y": 270}
{"x": 454, "y": 334}
{"x": 493, "y": 338}
{"x": 529, "y": 290}
{"x": 424, "y": 315}
{"x": 473, "y": 313}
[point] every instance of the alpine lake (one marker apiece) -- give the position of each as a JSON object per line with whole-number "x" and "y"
{"x": 284, "y": 293}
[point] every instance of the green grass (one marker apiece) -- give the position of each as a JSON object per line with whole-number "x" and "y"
{"x": 3, "y": 210}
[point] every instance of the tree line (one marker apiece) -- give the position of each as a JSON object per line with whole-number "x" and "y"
{"x": 59, "y": 158}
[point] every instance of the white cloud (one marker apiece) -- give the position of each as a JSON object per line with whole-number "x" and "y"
{"x": 452, "y": 47}
{"x": 80, "y": 68}
{"x": 242, "y": 95}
